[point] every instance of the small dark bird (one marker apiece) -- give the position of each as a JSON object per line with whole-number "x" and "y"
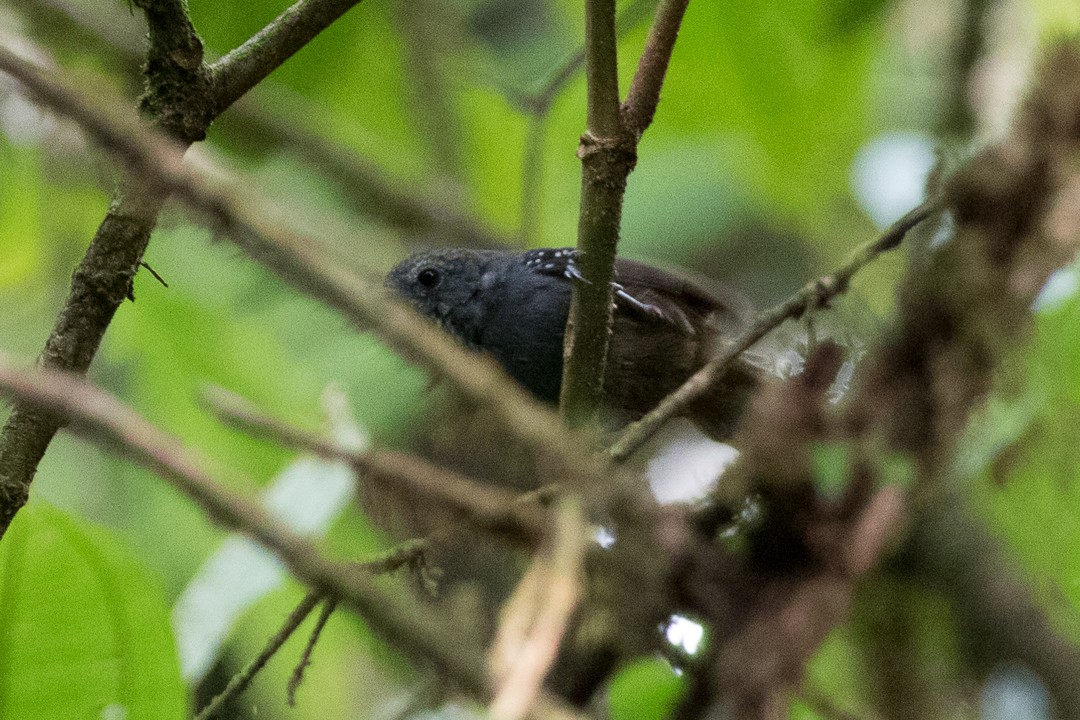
{"x": 514, "y": 306}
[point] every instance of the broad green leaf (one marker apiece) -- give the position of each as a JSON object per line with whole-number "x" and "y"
{"x": 85, "y": 631}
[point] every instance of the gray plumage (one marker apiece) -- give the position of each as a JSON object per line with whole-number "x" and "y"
{"x": 514, "y": 306}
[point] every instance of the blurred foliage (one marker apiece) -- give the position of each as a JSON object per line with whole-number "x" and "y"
{"x": 747, "y": 172}
{"x": 85, "y": 626}
{"x": 648, "y": 689}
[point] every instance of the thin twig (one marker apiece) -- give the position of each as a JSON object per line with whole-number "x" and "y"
{"x": 116, "y": 426}
{"x": 297, "y": 676}
{"x": 154, "y": 272}
{"x": 644, "y": 93}
{"x": 390, "y": 561}
{"x": 402, "y": 620}
{"x": 815, "y": 293}
{"x": 239, "y": 682}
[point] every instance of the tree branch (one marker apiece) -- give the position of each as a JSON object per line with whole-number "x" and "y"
{"x": 535, "y": 618}
{"x": 178, "y": 99}
{"x": 298, "y": 260}
{"x": 404, "y": 622}
{"x": 488, "y": 507}
{"x": 295, "y": 260}
{"x": 537, "y": 105}
{"x": 239, "y": 682}
{"x": 246, "y": 66}
{"x": 297, "y": 676}
{"x": 644, "y": 94}
{"x": 262, "y": 114}
{"x": 395, "y": 558}
{"x": 816, "y": 293}
{"x": 950, "y": 552}
{"x": 606, "y": 161}
{"x": 602, "y": 69}
{"x": 608, "y": 152}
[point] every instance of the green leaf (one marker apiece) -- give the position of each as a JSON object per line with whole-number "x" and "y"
{"x": 85, "y": 631}
{"x": 647, "y": 689}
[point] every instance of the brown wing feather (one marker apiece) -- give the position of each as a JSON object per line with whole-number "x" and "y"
{"x": 681, "y": 301}
{"x": 666, "y": 354}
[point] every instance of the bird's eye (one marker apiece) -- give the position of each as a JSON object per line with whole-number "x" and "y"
{"x": 428, "y": 277}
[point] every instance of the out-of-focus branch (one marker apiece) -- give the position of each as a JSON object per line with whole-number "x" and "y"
{"x": 999, "y": 619}
{"x": 403, "y": 621}
{"x": 432, "y": 106}
{"x": 182, "y": 99}
{"x": 298, "y": 261}
{"x": 490, "y": 508}
{"x": 1017, "y": 212}
{"x": 959, "y": 119}
{"x": 422, "y": 210}
{"x": 816, "y": 293}
{"x": 66, "y": 24}
{"x": 538, "y": 106}
{"x": 103, "y": 418}
{"x": 267, "y": 114}
{"x": 537, "y": 615}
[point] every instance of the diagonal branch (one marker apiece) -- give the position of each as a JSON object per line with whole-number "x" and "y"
{"x": 401, "y": 619}
{"x": 372, "y": 189}
{"x": 182, "y": 97}
{"x": 298, "y": 261}
{"x": 248, "y": 65}
{"x": 114, "y": 425}
{"x": 644, "y": 94}
{"x": 815, "y": 293}
{"x": 390, "y": 561}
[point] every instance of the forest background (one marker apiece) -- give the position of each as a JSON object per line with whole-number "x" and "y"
{"x": 787, "y": 134}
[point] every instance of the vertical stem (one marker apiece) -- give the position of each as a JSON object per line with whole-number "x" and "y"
{"x": 601, "y": 68}
{"x": 607, "y": 158}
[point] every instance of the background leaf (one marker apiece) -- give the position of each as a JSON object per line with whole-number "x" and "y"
{"x": 85, "y": 631}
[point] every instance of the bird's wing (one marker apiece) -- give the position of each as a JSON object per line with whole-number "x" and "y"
{"x": 640, "y": 290}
